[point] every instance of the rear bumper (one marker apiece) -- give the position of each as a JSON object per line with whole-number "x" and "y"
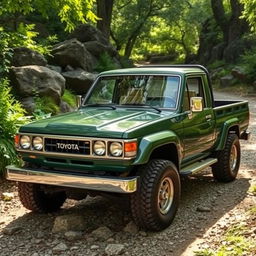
{"x": 41, "y": 176}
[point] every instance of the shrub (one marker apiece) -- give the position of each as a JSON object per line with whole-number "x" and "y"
{"x": 45, "y": 105}
{"x": 105, "y": 63}
{"x": 249, "y": 64}
{"x": 69, "y": 98}
{"x": 11, "y": 117}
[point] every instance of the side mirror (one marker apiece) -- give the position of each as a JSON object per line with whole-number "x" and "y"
{"x": 196, "y": 104}
{"x": 78, "y": 101}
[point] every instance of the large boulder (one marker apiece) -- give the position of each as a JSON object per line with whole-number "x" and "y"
{"x": 97, "y": 48}
{"x": 226, "y": 81}
{"x": 86, "y": 33}
{"x": 71, "y": 52}
{"x": 79, "y": 81}
{"x": 23, "y": 56}
{"x": 29, "y": 81}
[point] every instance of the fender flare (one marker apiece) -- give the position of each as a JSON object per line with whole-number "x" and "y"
{"x": 224, "y": 132}
{"x": 150, "y": 142}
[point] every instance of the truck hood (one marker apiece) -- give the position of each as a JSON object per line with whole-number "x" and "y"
{"x": 95, "y": 122}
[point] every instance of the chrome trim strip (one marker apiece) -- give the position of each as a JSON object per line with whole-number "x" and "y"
{"x": 90, "y": 139}
{"x": 40, "y": 176}
{"x": 230, "y": 105}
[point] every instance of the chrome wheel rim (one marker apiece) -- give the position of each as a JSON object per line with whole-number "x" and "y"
{"x": 233, "y": 158}
{"x": 165, "y": 195}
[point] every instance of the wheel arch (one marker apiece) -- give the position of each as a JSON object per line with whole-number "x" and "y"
{"x": 167, "y": 152}
{"x": 162, "y": 145}
{"x": 230, "y": 126}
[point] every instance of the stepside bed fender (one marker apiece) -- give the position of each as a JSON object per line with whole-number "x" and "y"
{"x": 151, "y": 142}
{"x": 226, "y": 127}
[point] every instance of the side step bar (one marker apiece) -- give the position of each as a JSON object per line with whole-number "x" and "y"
{"x": 198, "y": 166}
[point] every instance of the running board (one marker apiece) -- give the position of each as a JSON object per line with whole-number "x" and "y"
{"x": 198, "y": 166}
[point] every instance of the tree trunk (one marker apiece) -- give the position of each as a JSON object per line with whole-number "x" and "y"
{"x": 232, "y": 27}
{"x": 237, "y": 26}
{"x": 220, "y": 17}
{"x": 104, "y": 12}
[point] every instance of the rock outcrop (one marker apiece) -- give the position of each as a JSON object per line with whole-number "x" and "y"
{"x": 79, "y": 81}
{"x": 37, "y": 80}
{"x": 71, "y": 66}
{"x": 71, "y": 52}
{"x": 23, "y": 56}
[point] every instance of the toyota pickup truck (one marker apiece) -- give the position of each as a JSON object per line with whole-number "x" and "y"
{"x": 136, "y": 133}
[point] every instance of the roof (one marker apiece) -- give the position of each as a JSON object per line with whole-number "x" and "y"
{"x": 157, "y": 70}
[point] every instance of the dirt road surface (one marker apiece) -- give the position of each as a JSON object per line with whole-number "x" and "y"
{"x": 26, "y": 233}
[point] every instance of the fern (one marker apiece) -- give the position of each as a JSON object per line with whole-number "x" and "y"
{"x": 11, "y": 117}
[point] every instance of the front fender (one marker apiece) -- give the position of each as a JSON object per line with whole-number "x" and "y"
{"x": 224, "y": 132}
{"x": 153, "y": 141}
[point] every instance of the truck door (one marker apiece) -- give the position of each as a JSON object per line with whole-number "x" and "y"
{"x": 198, "y": 126}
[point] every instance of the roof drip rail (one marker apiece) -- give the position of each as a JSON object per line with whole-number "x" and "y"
{"x": 185, "y": 66}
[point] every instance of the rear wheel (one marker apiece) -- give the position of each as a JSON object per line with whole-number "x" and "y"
{"x": 155, "y": 203}
{"x": 37, "y": 200}
{"x": 227, "y": 167}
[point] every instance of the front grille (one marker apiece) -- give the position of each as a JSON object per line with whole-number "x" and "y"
{"x": 67, "y": 146}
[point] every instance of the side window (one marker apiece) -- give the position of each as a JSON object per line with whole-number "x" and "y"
{"x": 194, "y": 88}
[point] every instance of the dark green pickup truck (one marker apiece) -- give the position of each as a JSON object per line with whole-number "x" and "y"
{"x": 137, "y": 131}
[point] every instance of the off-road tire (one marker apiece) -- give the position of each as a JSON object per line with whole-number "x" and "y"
{"x": 145, "y": 207}
{"x": 35, "y": 199}
{"x": 223, "y": 171}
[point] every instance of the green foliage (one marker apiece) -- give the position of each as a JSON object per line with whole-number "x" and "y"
{"x": 44, "y": 106}
{"x": 249, "y": 64}
{"x": 249, "y": 12}
{"x": 158, "y": 27}
{"x": 234, "y": 243}
{"x": 25, "y": 36}
{"x": 69, "y": 98}
{"x": 5, "y": 52}
{"x": 252, "y": 189}
{"x": 217, "y": 64}
{"x": 11, "y": 117}
{"x": 105, "y": 63}
{"x": 70, "y": 12}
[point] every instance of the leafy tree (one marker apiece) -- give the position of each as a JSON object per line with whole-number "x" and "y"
{"x": 70, "y": 12}
{"x": 154, "y": 27}
{"x": 130, "y": 19}
{"x": 249, "y": 12}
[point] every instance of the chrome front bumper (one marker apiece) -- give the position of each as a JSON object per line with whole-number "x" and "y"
{"x": 40, "y": 176}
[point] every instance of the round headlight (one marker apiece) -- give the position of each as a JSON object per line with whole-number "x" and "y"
{"x": 99, "y": 148}
{"x": 25, "y": 142}
{"x": 37, "y": 143}
{"x": 116, "y": 149}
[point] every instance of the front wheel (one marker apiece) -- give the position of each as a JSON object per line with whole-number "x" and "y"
{"x": 156, "y": 201}
{"x": 226, "y": 169}
{"x": 37, "y": 200}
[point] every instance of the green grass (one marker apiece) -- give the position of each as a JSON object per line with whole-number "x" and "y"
{"x": 252, "y": 189}
{"x": 233, "y": 243}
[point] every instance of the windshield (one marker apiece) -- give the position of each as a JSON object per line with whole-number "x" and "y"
{"x": 156, "y": 91}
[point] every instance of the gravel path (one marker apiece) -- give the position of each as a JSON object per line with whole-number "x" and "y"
{"x": 25, "y": 233}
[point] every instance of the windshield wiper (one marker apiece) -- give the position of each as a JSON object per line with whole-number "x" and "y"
{"x": 142, "y": 105}
{"x": 99, "y": 105}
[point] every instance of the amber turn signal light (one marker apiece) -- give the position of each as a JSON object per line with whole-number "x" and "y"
{"x": 130, "y": 148}
{"x": 17, "y": 140}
